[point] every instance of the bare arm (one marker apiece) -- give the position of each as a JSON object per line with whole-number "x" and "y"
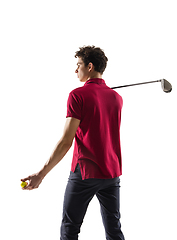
{"x": 59, "y": 152}
{"x": 63, "y": 145}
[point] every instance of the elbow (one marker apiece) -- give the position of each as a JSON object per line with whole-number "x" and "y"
{"x": 66, "y": 143}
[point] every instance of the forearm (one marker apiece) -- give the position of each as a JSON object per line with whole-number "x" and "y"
{"x": 59, "y": 152}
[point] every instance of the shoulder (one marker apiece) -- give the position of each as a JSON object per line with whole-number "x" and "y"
{"x": 112, "y": 91}
{"x": 76, "y": 96}
{"x": 77, "y": 91}
{"x": 117, "y": 95}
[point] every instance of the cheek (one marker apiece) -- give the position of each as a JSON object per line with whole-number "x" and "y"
{"x": 80, "y": 71}
{"x": 84, "y": 71}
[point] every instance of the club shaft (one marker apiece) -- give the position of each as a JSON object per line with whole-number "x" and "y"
{"x": 134, "y": 84}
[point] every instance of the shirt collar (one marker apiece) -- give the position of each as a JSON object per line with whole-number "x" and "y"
{"x": 95, "y": 80}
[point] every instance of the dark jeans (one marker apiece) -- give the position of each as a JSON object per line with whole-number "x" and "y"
{"x": 77, "y": 197}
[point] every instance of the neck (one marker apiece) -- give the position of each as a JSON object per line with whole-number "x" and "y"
{"x": 95, "y": 75}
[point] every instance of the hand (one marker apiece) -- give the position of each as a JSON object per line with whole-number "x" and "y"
{"x": 34, "y": 181}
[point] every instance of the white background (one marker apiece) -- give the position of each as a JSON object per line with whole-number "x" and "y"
{"x": 37, "y": 46}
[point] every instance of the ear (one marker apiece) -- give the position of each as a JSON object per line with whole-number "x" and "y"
{"x": 90, "y": 67}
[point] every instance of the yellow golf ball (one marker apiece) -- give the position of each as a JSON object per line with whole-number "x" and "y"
{"x": 24, "y": 184}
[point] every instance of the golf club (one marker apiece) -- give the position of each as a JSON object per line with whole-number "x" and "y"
{"x": 166, "y": 86}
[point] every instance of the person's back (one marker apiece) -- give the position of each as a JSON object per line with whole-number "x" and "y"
{"x": 97, "y": 140}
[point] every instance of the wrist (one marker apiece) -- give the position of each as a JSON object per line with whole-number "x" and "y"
{"x": 42, "y": 174}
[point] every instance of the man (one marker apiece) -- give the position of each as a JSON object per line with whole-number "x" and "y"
{"x": 93, "y": 119}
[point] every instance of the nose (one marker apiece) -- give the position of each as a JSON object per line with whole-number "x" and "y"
{"x": 76, "y": 71}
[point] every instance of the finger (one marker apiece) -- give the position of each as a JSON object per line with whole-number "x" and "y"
{"x": 28, "y": 184}
{"x": 27, "y": 188}
{"x": 25, "y": 179}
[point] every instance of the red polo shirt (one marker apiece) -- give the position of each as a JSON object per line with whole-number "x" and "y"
{"x": 97, "y": 141}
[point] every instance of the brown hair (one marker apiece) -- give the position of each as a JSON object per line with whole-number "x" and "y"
{"x": 94, "y": 55}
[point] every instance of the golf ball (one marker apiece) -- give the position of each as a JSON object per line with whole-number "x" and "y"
{"x": 24, "y": 184}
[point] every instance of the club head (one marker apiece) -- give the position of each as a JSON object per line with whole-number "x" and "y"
{"x": 166, "y": 86}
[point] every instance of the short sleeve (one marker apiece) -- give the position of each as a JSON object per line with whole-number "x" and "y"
{"x": 74, "y": 106}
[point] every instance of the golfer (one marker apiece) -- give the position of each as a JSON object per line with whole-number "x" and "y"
{"x": 93, "y": 119}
